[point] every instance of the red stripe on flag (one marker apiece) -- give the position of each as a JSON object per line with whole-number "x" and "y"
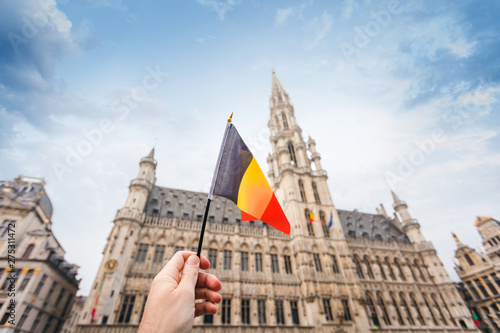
{"x": 275, "y": 217}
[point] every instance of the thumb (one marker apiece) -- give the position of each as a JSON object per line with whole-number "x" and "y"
{"x": 189, "y": 276}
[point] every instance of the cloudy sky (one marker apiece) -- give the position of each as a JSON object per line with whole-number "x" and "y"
{"x": 401, "y": 90}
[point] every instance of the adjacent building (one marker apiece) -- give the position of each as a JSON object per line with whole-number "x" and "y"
{"x": 368, "y": 272}
{"x": 480, "y": 274}
{"x": 37, "y": 284}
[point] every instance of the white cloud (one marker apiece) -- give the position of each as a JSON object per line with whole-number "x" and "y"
{"x": 317, "y": 29}
{"x": 220, "y": 7}
{"x": 282, "y": 15}
{"x": 348, "y": 9}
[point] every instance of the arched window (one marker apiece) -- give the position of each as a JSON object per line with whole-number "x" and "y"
{"x": 357, "y": 264}
{"x": 372, "y": 312}
{"x": 277, "y": 121}
{"x": 322, "y": 217}
{"x": 417, "y": 266}
{"x": 291, "y": 150}
{"x": 469, "y": 260}
{"x": 316, "y": 194}
{"x": 490, "y": 317}
{"x": 462, "y": 324}
{"x": 409, "y": 317}
{"x": 302, "y": 191}
{"x": 381, "y": 268}
{"x": 448, "y": 310}
{"x": 28, "y": 251}
{"x": 411, "y": 270}
{"x": 389, "y": 267}
{"x": 396, "y": 307}
{"x": 438, "y": 309}
{"x": 381, "y": 304}
{"x": 285, "y": 121}
{"x": 366, "y": 261}
{"x": 309, "y": 224}
{"x": 417, "y": 309}
{"x": 424, "y": 296}
{"x": 400, "y": 269}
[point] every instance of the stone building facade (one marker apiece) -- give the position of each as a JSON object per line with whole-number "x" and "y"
{"x": 40, "y": 281}
{"x": 367, "y": 272}
{"x": 480, "y": 274}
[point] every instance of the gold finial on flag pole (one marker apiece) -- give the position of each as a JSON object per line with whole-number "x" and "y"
{"x": 230, "y": 119}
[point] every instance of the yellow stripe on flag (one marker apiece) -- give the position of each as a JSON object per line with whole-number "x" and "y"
{"x": 254, "y": 193}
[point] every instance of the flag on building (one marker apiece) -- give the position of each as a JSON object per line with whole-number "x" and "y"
{"x": 330, "y": 223}
{"x": 239, "y": 178}
{"x": 312, "y": 218}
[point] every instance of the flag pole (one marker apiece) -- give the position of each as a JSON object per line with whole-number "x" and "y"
{"x": 210, "y": 194}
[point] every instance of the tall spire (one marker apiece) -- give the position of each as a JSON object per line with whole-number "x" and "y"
{"x": 276, "y": 84}
{"x": 459, "y": 244}
{"x": 395, "y": 197}
{"x": 152, "y": 153}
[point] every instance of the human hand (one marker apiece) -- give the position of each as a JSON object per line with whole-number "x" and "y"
{"x": 171, "y": 303}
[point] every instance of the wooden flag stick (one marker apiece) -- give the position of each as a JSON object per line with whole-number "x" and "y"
{"x": 202, "y": 232}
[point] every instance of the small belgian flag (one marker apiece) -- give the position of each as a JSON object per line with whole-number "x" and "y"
{"x": 239, "y": 178}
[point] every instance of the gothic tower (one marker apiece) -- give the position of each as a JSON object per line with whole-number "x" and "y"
{"x": 301, "y": 184}
{"x": 120, "y": 246}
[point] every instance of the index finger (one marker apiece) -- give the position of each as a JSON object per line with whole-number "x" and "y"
{"x": 175, "y": 265}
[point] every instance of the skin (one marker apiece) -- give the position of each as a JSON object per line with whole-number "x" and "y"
{"x": 171, "y": 305}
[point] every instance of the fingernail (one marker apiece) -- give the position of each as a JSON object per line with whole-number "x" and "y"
{"x": 193, "y": 260}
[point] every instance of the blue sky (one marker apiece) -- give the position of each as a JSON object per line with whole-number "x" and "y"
{"x": 404, "y": 90}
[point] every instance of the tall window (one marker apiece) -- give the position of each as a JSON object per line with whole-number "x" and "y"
{"x": 280, "y": 318}
{"x": 208, "y": 319}
{"x": 469, "y": 260}
{"x": 126, "y": 309}
{"x": 438, "y": 308}
{"x": 473, "y": 290}
{"x": 430, "y": 310}
{"x": 274, "y": 263}
{"x": 244, "y": 261}
{"x": 335, "y": 266}
{"x": 302, "y": 191}
{"x": 277, "y": 121}
{"x": 347, "y": 310}
{"x": 226, "y": 311}
{"x": 261, "y": 311}
{"x": 258, "y": 262}
{"x": 381, "y": 304}
{"x": 295, "y": 312}
{"x": 288, "y": 264}
{"x": 417, "y": 266}
{"x": 409, "y": 317}
{"x": 389, "y": 267}
{"x": 27, "y": 278}
{"x": 40, "y": 285}
{"x": 411, "y": 270}
{"x": 359, "y": 270}
{"x": 159, "y": 253}
{"x": 490, "y": 285}
{"x": 291, "y": 150}
{"x": 322, "y": 217}
{"x": 37, "y": 321}
{"x": 28, "y": 251}
{"x": 366, "y": 261}
{"x": 141, "y": 252}
{"x": 285, "y": 121}
{"x": 381, "y": 268}
{"x": 481, "y": 287}
{"x": 316, "y": 194}
{"x": 5, "y": 227}
{"x": 11, "y": 282}
{"x": 398, "y": 312}
{"x": 310, "y": 229}
{"x": 59, "y": 298}
{"x": 327, "y": 308}
{"x": 400, "y": 269}
{"x": 245, "y": 311}
{"x": 228, "y": 257}
{"x": 371, "y": 310}
{"x": 23, "y": 317}
{"x": 317, "y": 262}
{"x": 212, "y": 257}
